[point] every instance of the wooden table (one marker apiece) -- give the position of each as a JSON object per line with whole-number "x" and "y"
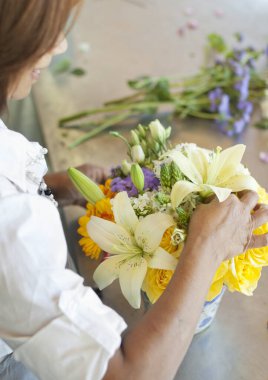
{"x": 131, "y": 38}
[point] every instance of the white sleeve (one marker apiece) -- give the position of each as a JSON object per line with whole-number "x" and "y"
{"x": 56, "y": 326}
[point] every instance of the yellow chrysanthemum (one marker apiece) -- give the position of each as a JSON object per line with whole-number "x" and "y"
{"x": 101, "y": 209}
{"x": 106, "y": 189}
{"x": 155, "y": 282}
{"x": 217, "y": 283}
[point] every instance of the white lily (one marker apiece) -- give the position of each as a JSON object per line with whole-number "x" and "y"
{"x": 220, "y": 173}
{"x": 134, "y": 246}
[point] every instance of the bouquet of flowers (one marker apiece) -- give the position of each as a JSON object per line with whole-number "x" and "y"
{"x": 139, "y": 219}
{"x": 225, "y": 91}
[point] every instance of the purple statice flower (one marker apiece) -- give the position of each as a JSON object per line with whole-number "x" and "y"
{"x": 243, "y": 86}
{"x": 224, "y": 107}
{"x": 238, "y": 69}
{"x": 238, "y": 126}
{"x": 214, "y": 97}
{"x": 125, "y": 184}
{"x": 239, "y": 54}
{"x": 246, "y": 107}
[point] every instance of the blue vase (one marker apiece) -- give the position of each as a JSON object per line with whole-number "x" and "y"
{"x": 208, "y": 313}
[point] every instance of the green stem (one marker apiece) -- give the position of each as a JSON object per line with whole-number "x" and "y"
{"x": 108, "y": 123}
{"x": 124, "y": 99}
{"x": 120, "y": 107}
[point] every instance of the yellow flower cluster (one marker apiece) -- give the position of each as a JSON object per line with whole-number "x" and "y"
{"x": 102, "y": 209}
{"x": 240, "y": 274}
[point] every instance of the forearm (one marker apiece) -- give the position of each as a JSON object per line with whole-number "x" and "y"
{"x": 62, "y": 188}
{"x": 155, "y": 348}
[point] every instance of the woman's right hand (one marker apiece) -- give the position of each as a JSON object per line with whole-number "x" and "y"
{"x": 226, "y": 228}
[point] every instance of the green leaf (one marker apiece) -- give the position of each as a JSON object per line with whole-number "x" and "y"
{"x": 78, "y": 71}
{"x": 262, "y": 124}
{"x": 141, "y": 83}
{"x": 217, "y": 43}
{"x": 62, "y": 66}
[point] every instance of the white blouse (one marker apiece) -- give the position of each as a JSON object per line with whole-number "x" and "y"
{"x": 54, "y": 324}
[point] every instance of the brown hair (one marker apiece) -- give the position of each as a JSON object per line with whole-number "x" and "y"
{"x": 28, "y": 30}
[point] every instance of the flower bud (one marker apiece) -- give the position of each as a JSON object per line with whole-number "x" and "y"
{"x": 141, "y": 130}
{"x": 137, "y": 176}
{"x": 144, "y": 146}
{"x": 137, "y": 154}
{"x": 90, "y": 191}
{"x": 134, "y": 139}
{"x": 126, "y": 166}
{"x": 168, "y": 132}
{"x": 157, "y": 131}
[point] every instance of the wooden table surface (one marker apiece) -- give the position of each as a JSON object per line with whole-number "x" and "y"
{"x": 129, "y": 38}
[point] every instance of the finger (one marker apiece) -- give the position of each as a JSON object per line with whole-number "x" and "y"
{"x": 260, "y": 216}
{"x": 210, "y": 198}
{"x": 249, "y": 198}
{"x": 258, "y": 241}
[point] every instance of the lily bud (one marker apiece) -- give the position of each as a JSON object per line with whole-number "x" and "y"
{"x": 137, "y": 176}
{"x": 89, "y": 189}
{"x": 126, "y": 166}
{"x": 141, "y": 130}
{"x": 137, "y": 154}
{"x": 168, "y": 132}
{"x": 144, "y": 146}
{"x": 157, "y": 131}
{"x": 134, "y": 139}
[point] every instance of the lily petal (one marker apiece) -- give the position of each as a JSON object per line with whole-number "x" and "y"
{"x": 241, "y": 182}
{"x": 131, "y": 277}
{"x": 180, "y": 190}
{"x": 199, "y": 157}
{"x": 162, "y": 260}
{"x": 225, "y": 164}
{"x": 124, "y": 213}
{"x": 186, "y": 166}
{"x": 108, "y": 271}
{"x": 221, "y": 193}
{"x": 109, "y": 236}
{"x": 150, "y": 230}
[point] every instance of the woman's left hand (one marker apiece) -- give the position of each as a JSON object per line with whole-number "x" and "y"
{"x": 63, "y": 189}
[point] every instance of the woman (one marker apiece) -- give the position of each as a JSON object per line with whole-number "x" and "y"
{"x": 58, "y": 328}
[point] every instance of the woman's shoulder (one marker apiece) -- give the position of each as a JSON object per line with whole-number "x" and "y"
{"x": 21, "y": 161}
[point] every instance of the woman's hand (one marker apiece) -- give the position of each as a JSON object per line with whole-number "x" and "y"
{"x": 227, "y": 228}
{"x": 63, "y": 189}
